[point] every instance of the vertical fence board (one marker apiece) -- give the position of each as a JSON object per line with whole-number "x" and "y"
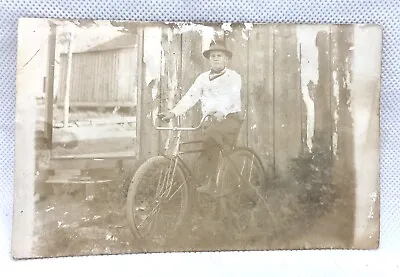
{"x": 237, "y": 42}
{"x": 143, "y": 122}
{"x": 287, "y": 97}
{"x": 73, "y": 80}
{"x": 280, "y": 98}
{"x": 77, "y": 80}
{"x": 303, "y": 107}
{"x": 322, "y": 96}
{"x": 116, "y": 93}
{"x": 149, "y": 136}
{"x": 113, "y": 74}
{"x": 192, "y": 67}
{"x": 86, "y": 74}
{"x": 260, "y": 95}
{"x": 97, "y": 84}
{"x": 171, "y": 77}
{"x": 49, "y": 85}
{"x": 105, "y": 77}
{"x": 343, "y": 162}
{"x": 294, "y": 97}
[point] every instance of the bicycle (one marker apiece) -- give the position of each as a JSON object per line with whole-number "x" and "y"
{"x": 162, "y": 190}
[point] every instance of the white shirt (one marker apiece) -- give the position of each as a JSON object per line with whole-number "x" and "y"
{"x": 219, "y": 95}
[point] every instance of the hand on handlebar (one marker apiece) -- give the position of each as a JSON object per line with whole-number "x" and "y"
{"x": 218, "y": 116}
{"x": 167, "y": 116}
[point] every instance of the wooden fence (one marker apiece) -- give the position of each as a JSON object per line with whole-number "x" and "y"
{"x": 268, "y": 57}
{"x": 286, "y": 118}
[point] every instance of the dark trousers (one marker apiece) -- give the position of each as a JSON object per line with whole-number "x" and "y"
{"x": 216, "y": 135}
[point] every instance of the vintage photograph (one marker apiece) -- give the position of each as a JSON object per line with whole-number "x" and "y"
{"x": 137, "y": 137}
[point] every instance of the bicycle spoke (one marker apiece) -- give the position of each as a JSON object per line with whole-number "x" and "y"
{"x": 251, "y": 167}
{"x": 176, "y": 190}
{"x": 167, "y": 182}
{"x": 158, "y": 191}
{"x": 244, "y": 164}
{"x": 152, "y": 212}
{"x": 166, "y": 178}
{"x": 172, "y": 179}
{"x": 155, "y": 210}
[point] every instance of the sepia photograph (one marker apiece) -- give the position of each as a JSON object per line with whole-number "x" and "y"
{"x": 140, "y": 137}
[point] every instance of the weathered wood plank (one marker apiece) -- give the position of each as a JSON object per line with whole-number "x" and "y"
{"x": 104, "y": 76}
{"x": 96, "y": 83}
{"x": 260, "y": 95}
{"x": 79, "y": 84}
{"x": 303, "y": 107}
{"x": 287, "y": 97}
{"x": 140, "y": 111}
{"x": 294, "y": 96}
{"x": 132, "y": 88}
{"x": 322, "y": 101}
{"x": 237, "y": 42}
{"x": 99, "y": 104}
{"x": 114, "y": 91}
{"x": 97, "y": 156}
{"x": 192, "y": 67}
{"x": 49, "y": 86}
{"x": 149, "y": 142}
{"x": 171, "y": 77}
{"x": 84, "y": 88}
{"x": 343, "y": 142}
{"x": 114, "y": 77}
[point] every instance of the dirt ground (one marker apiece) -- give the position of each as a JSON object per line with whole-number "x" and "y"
{"x": 67, "y": 225}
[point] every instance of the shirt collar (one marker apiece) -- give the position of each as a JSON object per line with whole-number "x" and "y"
{"x": 214, "y": 75}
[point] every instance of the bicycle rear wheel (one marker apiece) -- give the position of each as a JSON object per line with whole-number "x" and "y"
{"x": 242, "y": 179}
{"x": 158, "y": 200}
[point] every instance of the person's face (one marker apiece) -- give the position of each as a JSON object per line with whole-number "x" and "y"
{"x": 218, "y": 60}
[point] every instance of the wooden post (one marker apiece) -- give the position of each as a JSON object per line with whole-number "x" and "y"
{"x": 49, "y": 86}
{"x": 68, "y": 82}
{"x": 140, "y": 110}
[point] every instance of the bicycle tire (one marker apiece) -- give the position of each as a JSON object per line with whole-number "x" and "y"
{"x": 146, "y": 168}
{"x": 259, "y": 192}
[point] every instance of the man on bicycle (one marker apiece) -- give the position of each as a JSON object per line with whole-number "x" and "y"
{"x": 219, "y": 91}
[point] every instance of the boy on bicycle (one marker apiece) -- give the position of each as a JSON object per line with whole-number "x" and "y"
{"x": 219, "y": 91}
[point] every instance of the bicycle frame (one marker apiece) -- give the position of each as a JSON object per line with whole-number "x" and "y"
{"x": 175, "y": 155}
{"x": 177, "y": 147}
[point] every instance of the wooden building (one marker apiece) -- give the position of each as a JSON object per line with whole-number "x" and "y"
{"x": 102, "y": 76}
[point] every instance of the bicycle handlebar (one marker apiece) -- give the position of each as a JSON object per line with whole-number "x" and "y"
{"x": 175, "y": 128}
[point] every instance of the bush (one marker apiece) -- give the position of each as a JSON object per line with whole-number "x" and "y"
{"x": 302, "y": 195}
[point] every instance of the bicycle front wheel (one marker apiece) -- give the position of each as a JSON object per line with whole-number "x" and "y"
{"x": 158, "y": 200}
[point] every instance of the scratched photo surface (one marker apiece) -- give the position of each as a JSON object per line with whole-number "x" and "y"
{"x": 156, "y": 137}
